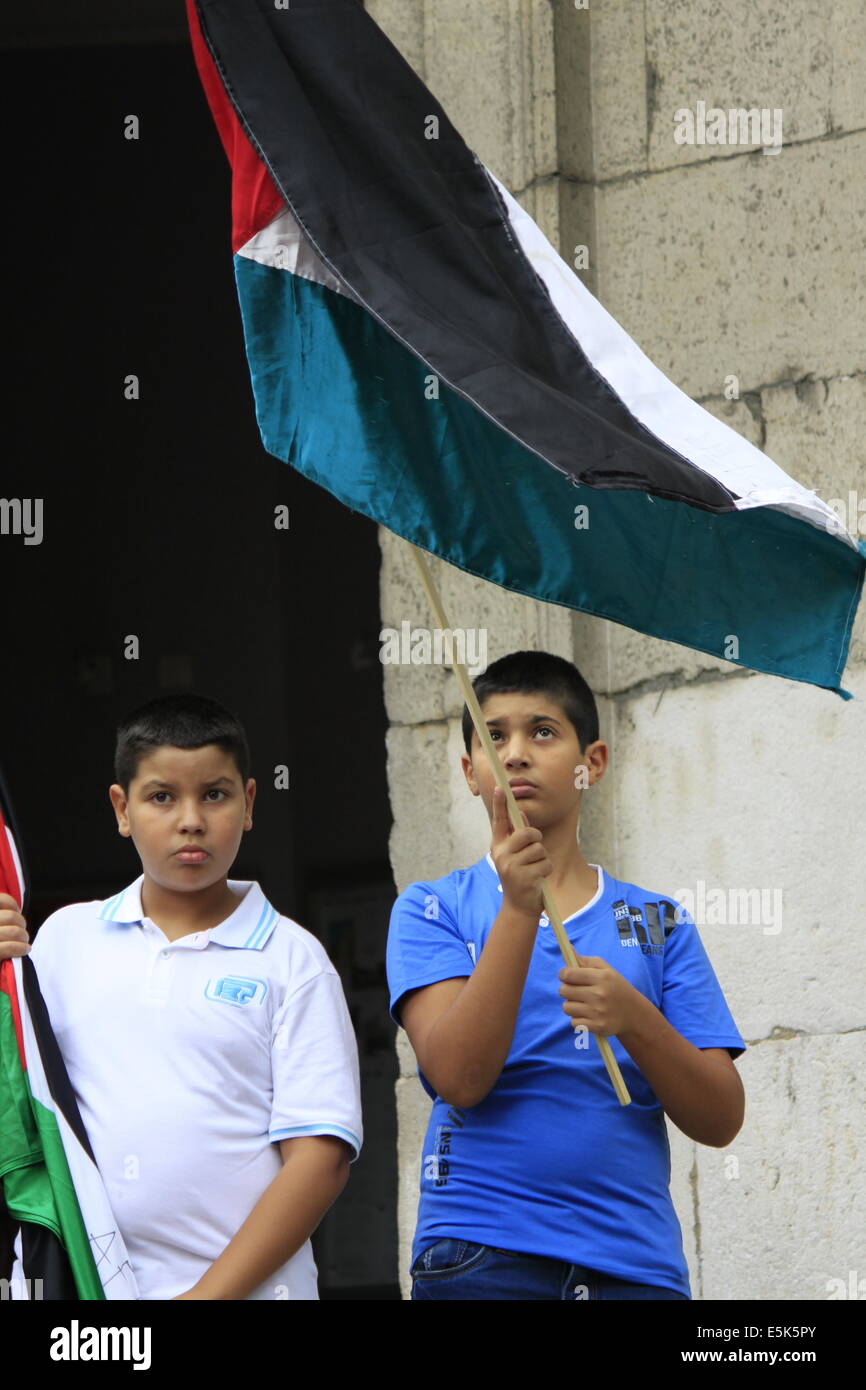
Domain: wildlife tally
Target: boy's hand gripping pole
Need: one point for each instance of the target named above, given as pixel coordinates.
(517, 817)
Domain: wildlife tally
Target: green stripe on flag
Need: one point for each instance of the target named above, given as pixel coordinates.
(441, 474)
(25, 1180)
(33, 1168)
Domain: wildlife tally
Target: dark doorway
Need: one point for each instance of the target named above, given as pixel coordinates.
(158, 523)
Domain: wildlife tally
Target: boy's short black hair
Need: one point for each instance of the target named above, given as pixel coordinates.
(524, 672)
(177, 721)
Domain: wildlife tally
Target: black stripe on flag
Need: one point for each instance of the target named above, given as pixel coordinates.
(418, 231)
(46, 1264)
(55, 1068)
(8, 815)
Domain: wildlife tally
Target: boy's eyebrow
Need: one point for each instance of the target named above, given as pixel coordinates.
(533, 719)
(158, 782)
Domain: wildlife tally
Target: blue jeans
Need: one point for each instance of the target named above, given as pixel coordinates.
(461, 1269)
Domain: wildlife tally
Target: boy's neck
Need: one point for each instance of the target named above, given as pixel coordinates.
(181, 914)
(573, 882)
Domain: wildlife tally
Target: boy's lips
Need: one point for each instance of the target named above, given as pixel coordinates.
(192, 855)
(521, 785)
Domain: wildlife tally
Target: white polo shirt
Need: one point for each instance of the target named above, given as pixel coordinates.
(190, 1058)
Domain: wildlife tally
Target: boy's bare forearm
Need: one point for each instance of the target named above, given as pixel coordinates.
(312, 1177)
(703, 1097)
(467, 1047)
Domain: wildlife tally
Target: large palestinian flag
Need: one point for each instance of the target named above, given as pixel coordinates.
(49, 1183)
(418, 347)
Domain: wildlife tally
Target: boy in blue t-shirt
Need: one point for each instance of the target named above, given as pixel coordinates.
(535, 1182)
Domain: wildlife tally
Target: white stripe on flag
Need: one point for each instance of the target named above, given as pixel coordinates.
(643, 388)
(283, 246)
(13, 850)
(106, 1242)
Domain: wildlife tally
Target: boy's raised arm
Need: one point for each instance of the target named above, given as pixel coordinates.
(461, 1030)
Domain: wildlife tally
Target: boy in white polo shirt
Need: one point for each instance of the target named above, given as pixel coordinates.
(206, 1036)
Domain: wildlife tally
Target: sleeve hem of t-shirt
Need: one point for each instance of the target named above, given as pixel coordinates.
(426, 980)
(296, 1131)
(737, 1048)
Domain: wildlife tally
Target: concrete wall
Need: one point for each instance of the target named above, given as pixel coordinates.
(739, 273)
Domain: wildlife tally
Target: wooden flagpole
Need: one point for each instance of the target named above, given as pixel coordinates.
(517, 817)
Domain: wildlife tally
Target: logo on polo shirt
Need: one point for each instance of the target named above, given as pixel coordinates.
(236, 989)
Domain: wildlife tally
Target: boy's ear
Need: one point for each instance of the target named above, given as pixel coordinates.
(250, 796)
(466, 764)
(595, 758)
(118, 801)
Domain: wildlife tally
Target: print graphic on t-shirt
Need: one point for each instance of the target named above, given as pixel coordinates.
(437, 1165)
(648, 948)
(653, 921)
(622, 917)
(637, 923)
(633, 932)
(670, 915)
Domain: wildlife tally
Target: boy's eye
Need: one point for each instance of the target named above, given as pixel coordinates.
(216, 792)
(542, 728)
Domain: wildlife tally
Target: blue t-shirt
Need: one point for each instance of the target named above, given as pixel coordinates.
(550, 1163)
